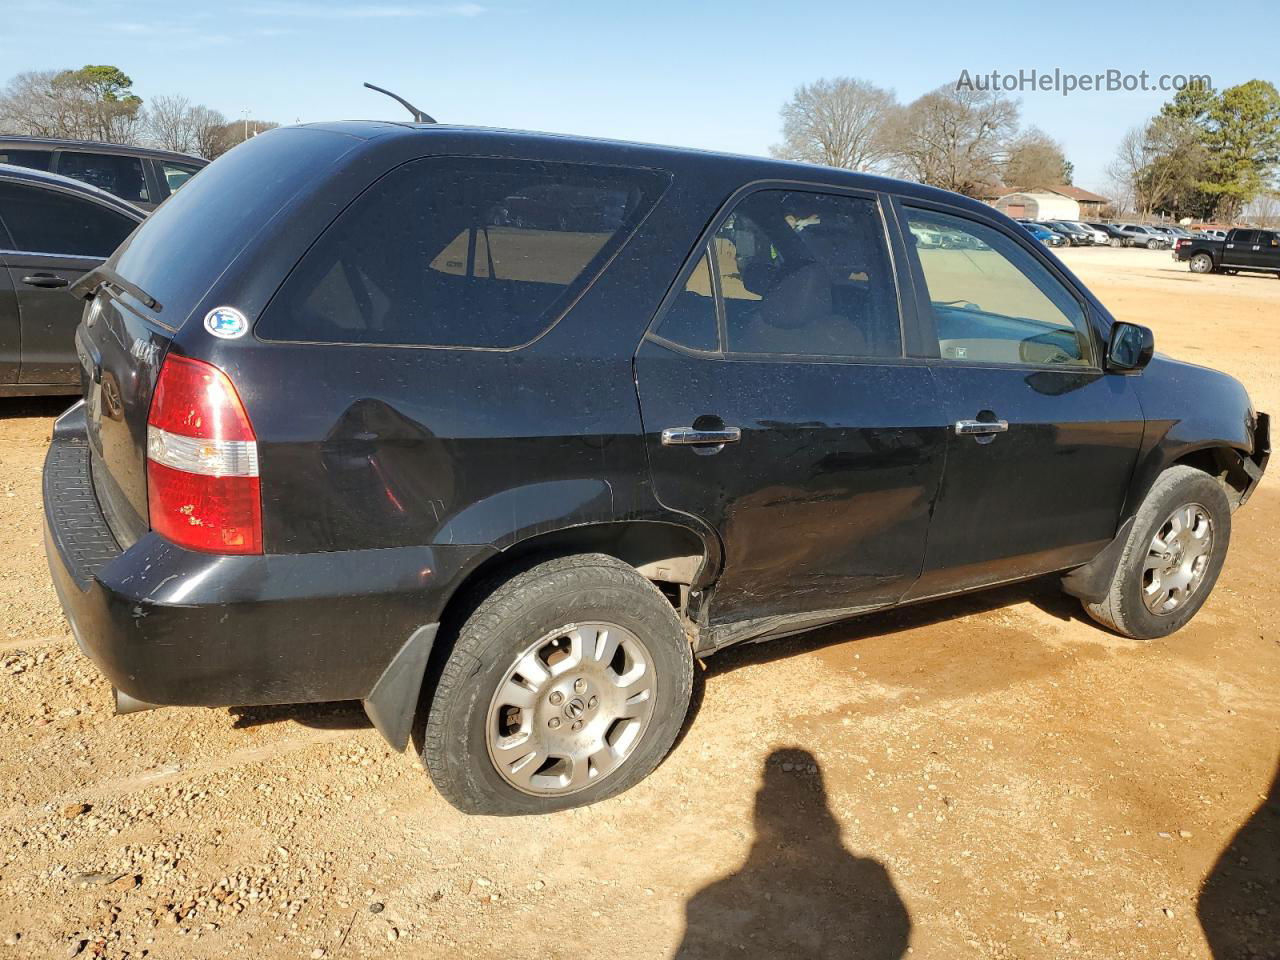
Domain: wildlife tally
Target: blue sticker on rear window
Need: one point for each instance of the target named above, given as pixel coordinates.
(226, 323)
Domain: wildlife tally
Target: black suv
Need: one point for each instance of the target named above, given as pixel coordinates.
(541, 419)
(141, 175)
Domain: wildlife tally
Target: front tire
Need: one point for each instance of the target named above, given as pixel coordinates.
(1171, 559)
(567, 685)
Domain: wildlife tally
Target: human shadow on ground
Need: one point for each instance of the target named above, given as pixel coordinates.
(1240, 900)
(800, 894)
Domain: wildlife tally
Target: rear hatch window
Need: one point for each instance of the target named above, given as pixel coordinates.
(193, 236)
(461, 252)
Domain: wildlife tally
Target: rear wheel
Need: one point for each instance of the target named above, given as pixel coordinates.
(1171, 559)
(567, 685)
(1202, 263)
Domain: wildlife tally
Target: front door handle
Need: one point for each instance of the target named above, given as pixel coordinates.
(46, 280)
(691, 436)
(978, 428)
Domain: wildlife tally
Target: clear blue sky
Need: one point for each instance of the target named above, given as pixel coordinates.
(707, 75)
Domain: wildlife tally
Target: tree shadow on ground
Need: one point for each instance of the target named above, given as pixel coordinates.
(1240, 901)
(800, 893)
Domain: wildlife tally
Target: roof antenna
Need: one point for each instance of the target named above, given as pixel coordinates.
(418, 115)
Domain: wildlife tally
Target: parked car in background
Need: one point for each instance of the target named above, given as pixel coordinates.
(308, 466)
(1100, 237)
(1080, 235)
(1115, 236)
(1140, 235)
(1211, 233)
(1174, 231)
(1253, 251)
(927, 237)
(142, 176)
(52, 230)
(1046, 236)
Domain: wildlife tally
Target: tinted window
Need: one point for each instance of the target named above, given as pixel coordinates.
(192, 237)
(110, 172)
(176, 174)
(460, 252)
(809, 274)
(36, 159)
(691, 319)
(993, 301)
(49, 221)
(1244, 236)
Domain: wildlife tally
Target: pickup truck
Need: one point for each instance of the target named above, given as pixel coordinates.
(1243, 249)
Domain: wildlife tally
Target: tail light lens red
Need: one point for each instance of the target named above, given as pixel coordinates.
(202, 461)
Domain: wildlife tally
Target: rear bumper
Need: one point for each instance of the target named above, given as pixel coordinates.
(171, 626)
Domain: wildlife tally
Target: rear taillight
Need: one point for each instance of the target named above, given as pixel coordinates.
(202, 461)
(1182, 242)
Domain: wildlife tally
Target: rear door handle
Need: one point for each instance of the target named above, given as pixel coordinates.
(46, 280)
(689, 436)
(978, 428)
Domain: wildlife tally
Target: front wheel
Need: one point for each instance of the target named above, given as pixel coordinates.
(1171, 559)
(1202, 263)
(568, 684)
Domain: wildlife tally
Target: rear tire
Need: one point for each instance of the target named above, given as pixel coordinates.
(1171, 559)
(567, 685)
(1201, 263)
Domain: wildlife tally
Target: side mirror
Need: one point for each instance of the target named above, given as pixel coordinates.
(1131, 347)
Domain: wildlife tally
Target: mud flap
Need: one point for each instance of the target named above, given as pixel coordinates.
(391, 704)
(1092, 581)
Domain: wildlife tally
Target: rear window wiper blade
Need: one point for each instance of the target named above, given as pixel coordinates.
(88, 285)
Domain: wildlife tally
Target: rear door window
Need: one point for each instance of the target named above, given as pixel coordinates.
(176, 174)
(807, 274)
(457, 252)
(691, 320)
(53, 222)
(114, 173)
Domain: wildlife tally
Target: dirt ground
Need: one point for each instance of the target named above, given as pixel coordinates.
(993, 776)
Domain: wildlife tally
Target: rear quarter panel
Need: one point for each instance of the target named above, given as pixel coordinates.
(372, 446)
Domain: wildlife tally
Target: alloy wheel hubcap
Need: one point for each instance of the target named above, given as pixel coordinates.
(1177, 559)
(571, 708)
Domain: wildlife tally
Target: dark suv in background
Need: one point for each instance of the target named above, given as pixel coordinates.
(500, 430)
(141, 175)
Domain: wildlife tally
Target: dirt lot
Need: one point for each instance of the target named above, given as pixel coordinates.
(987, 777)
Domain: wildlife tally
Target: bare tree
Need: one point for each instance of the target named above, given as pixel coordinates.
(210, 132)
(92, 103)
(238, 131)
(1035, 160)
(171, 124)
(955, 139)
(1264, 210)
(1158, 163)
(840, 123)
